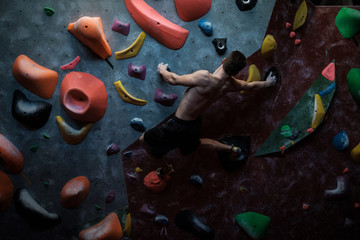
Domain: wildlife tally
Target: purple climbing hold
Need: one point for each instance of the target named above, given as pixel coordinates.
(164, 99)
(147, 210)
(342, 189)
(137, 71)
(123, 28)
(112, 149)
(110, 196)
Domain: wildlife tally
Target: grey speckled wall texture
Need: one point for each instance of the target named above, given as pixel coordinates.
(26, 29)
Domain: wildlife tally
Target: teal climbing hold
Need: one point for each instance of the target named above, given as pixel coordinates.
(253, 223)
(348, 22)
(49, 11)
(353, 80)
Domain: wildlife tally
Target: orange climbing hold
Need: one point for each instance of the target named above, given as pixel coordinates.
(89, 31)
(12, 158)
(190, 10)
(6, 191)
(329, 72)
(74, 192)
(35, 78)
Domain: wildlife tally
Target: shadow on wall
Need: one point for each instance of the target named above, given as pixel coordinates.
(335, 2)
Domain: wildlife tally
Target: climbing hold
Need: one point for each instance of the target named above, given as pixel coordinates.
(12, 158)
(206, 27)
(342, 189)
(220, 45)
(137, 71)
(147, 210)
(164, 99)
(138, 170)
(355, 153)
(125, 96)
(230, 162)
(196, 180)
(328, 90)
(49, 11)
(300, 16)
(282, 148)
(108, 228)
(35, 78)
(162, 221)
(353, 81)
(110, 196)
(33, 114)
(246, 5)
(46, 136)
(89, 31)
(112, 149)
(253, 75)
(32, 212)
(171, 35)
(128, 154)
(155, 182)
(74, 192)
(340, 141)
(97, 207)
(356, 205)
(71, 65)
(187, 221)
(297, 42)
(71, 135)
(292, 34)
(127, 227)
(310, 130)
(190, 10)
(346, 170)
(6, 191)
(268, 46)
(123, 28)
(253, 223)
(285, 131)
(305, 206)
(288, 25)
(243, 189)
(137, 124)
(318, 113)
(34, 148)
(83, 96)
(329, 71)
(133, 50)
(348, 22)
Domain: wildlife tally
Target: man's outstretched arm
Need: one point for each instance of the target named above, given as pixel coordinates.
(242, 85)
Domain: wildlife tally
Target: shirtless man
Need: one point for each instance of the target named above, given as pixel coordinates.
(183, 130)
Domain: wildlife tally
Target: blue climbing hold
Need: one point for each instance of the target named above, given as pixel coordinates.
(206, 27)
(328, 90)
(340, 141)
(137, 124)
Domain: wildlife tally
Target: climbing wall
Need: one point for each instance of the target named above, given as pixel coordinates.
(289, 188)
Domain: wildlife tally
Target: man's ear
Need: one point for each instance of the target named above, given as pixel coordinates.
(222, 62)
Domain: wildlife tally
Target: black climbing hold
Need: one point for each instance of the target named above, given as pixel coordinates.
(274, 71)
(186, 220)
(230, 162)
(128, 154)
(196, 180)
(220, 45)
(33, 114)
(246, 5)
(161, 220)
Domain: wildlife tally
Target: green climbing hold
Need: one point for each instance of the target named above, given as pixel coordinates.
(46, 136)
(97, 207)
(353, 80)
(49, 11)
(286, 131)
(253, 223)
(348, 22)
(34, 148)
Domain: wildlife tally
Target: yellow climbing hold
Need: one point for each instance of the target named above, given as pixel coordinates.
(268, 46)
(254, 75)
(138, 170)
(319, 112)
(133, 50)
(355, 153)
(126, 96)
(300, 16)
(127, 227)
(71, 135)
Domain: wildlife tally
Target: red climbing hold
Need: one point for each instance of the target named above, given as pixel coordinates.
(190, 10)
(297, 42)
(71, 65)
(329, 72)
(292, 34)
(288, 25)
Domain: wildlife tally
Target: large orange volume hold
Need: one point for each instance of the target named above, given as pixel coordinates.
(89, 31)
(171, 35)
(6, 191)
(108, 229)
(74, 192)
(190, 10)
(35, 78)
(13, 159)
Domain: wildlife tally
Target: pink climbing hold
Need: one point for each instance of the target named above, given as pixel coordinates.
(137, 71)
(292, 34)
(297, 42)
(71, 65)
(288, 25)
(190, 10)
(164, 99)
(329, 72)
(123, 28)
(310, 130)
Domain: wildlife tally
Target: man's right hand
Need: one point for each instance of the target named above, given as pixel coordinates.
(162, 67)
(271, 79)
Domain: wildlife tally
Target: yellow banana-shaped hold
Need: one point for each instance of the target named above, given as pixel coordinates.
(126, 96)
(319, 112)
(300, 16)
(254, 75)
(133, 50)
(71, 135)
(127, 227)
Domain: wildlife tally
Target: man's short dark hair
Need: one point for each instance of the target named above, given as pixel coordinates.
(234, 63)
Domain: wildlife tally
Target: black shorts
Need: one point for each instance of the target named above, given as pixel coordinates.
(174, 133)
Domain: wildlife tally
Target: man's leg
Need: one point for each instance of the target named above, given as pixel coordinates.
(214, 145)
